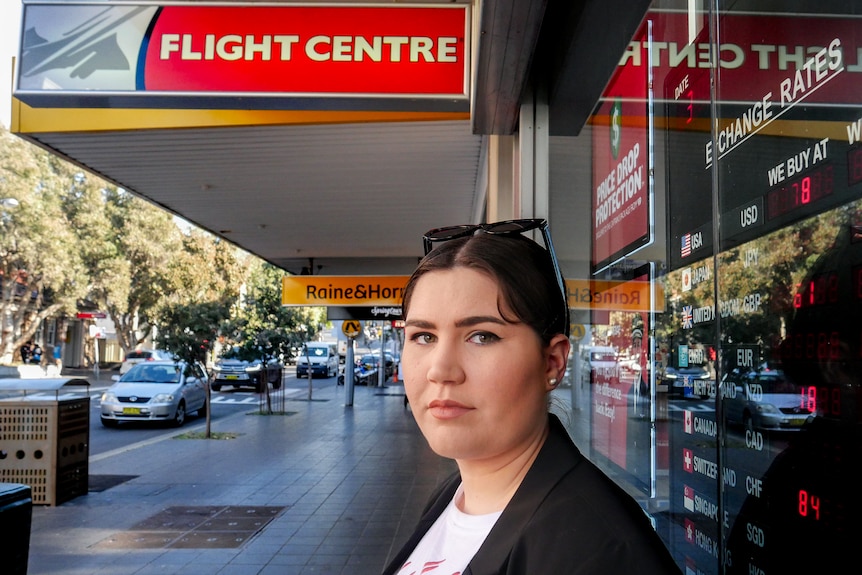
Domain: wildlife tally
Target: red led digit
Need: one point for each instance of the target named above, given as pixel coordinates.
(808, 398)
(808, 505)
(804, 190)
(690, 107)
(821, 400)
(821, 291)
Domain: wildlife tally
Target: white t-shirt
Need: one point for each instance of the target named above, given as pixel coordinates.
(451, 542)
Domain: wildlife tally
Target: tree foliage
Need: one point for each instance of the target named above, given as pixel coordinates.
(261, 326)
(789, 255)
(189, 330)
(41, 268)
(73, 239)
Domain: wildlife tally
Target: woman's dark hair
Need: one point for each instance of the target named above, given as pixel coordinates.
(522, 268)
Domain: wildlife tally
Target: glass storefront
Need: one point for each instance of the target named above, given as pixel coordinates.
(717, 324)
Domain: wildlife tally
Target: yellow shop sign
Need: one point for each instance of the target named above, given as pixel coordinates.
(342, 290)
(614, 295)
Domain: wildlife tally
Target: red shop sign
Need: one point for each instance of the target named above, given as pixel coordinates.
(307, 50)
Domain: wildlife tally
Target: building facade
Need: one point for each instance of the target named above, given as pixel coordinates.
(697, 162)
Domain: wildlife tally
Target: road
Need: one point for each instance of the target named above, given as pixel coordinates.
(105, 442)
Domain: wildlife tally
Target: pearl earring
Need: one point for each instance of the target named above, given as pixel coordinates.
(553, 382)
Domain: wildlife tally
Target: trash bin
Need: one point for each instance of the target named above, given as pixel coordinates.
(16, 511)
(45, 437)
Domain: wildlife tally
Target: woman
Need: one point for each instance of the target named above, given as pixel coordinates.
(485, 343)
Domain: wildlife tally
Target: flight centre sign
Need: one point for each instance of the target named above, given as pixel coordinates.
(248, 55)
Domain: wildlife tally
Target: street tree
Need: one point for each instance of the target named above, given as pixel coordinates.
(189, 331)
(144, 263)
(41, 271)
(262, 320)
(264, 328)
(133, 287)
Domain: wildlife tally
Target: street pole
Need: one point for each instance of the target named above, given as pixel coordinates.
(381, 371)
(310, 371)
(349, 373)
(96, 358)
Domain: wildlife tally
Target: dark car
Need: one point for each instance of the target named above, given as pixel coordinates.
(693, 381)
(363, 374)
(233, 371)
(372, 361)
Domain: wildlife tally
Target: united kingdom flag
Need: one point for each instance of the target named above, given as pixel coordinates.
(687, 319)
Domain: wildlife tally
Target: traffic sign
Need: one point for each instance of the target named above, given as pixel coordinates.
(351, 328)
(578, 331)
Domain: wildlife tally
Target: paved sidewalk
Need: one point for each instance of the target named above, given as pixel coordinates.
(341, 488)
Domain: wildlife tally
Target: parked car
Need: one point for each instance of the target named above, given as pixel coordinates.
(599, 363)
(631, 364)
(155, 390)
(363, 374)
(686, 381)
(255, 373)
(289, 357)
(322, 356)
(765, 399)
(372, 361)
(137, 356)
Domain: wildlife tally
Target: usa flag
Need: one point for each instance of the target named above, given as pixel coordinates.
(687, 319)
(686, 245)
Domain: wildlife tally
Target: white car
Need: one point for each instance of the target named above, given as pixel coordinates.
(764, 399)
(320, 356)
(156, 391)
(600, 364)
(137, 356)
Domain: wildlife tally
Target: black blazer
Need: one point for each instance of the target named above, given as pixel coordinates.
(567, 517)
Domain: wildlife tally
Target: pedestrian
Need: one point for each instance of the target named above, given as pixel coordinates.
(36, 356)
(58, 356)
(26, 352)
(486, 341)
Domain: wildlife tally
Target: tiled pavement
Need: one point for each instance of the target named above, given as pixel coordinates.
(351, 482)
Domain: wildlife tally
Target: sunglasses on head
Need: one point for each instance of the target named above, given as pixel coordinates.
(506, 228)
